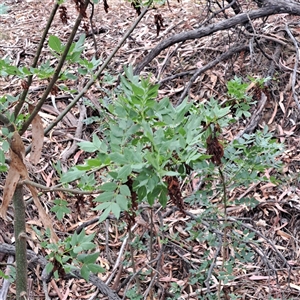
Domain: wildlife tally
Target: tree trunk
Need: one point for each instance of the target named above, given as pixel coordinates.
(20, 237)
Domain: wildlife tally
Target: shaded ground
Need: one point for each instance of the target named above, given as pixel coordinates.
(277, 215)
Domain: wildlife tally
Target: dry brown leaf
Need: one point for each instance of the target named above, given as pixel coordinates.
(42, 213)
(18, 164)
(284, 235)
(213, 80)
(9, 189)
(280, 208)
(17, 146)
(281, 102)
(273, 114)
(37, 137)
(17, 170)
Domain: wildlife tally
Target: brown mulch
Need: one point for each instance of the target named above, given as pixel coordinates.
(276, 217)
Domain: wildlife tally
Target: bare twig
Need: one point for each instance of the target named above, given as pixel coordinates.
(54, 189)
(206, 224)
(263, 237)
(45, 289)
(137, 281)
(166, 60)
(295, 94)
(93, 31)
(254, 118)
(213, 263)
(78, 134)
(120, 256)
(6, 282)
(181, 74)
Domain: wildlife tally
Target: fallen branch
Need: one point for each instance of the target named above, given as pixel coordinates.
(208, 66)
(271, 7)
(255, 118)
(294, 75)
(78, 134)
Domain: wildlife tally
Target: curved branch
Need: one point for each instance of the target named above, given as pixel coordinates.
(272, 7)
(56, 189)
(208, 66)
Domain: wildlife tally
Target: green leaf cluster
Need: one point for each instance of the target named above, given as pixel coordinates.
(60, 208)
(146, 140)
(3, 9)
(75, 251)
(74, 56)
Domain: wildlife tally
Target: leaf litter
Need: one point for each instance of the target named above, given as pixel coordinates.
(275, 217)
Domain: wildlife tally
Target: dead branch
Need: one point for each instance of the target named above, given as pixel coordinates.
(208, 66)
(271, 7)
(294, 75)
(78, 134)
(254, 118)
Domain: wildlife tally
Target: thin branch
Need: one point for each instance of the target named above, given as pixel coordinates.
(256, 116)
(104, 65)
(181, 74)
(295, 94)
(213, 263)
(265, 238)
(54, 189)
(6, 282)
(119, 259)
(78, 133)
(93, 30)
(57, 71)
(21, 101)
(206, 224)
(208, 66)
(5, 121)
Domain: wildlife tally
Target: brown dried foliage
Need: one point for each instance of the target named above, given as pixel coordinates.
(12, 179)
(215, 149)
(24, 85)
(37, 137)
(17, 170)
(174, 192)
(158, 21)
(63, 14)
(54, 90)
(131, 213)
(86, 26)
(80, 7)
